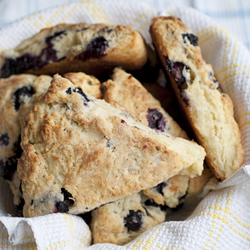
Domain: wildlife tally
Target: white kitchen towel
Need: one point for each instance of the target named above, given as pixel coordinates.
(222, 219)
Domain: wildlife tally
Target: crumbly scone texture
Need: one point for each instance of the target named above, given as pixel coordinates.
(16, 95)
(80, 153)
(123, 220)
(126, 92)
(90, 48)
(209, 112)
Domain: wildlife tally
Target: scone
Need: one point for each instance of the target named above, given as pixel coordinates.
(127, 93)
(121, 221)
(90, 48)
(80, 152)
(209, 112)
(18, 94)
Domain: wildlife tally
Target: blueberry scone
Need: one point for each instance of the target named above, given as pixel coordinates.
(90, 48)
(127, 93)
(121, 221)
(18, 94)
(209, 112)
(80, 152)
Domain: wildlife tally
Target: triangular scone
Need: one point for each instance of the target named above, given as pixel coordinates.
(80, 153)
(209, 112)
(91, 48)
(18, 94)
(126, 92)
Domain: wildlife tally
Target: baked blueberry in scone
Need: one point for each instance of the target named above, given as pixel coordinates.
(90, 48)
(209, 112)
(18, 94)
(121, 221)
(67, 137)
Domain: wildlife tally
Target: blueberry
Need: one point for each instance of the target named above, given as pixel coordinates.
(20, 94)
(48, 54)
(212, 78)
(20, 187)
(19, 65)
(150, 202)
(19, 208)
(63, 206)
(79, 91)
(8, 166)
(159, 188)
(4, 139)
(191, 37)
(69, 91)
(27, 61)
(133, 221)
(156, 119)
(175, 69)
(95, 49)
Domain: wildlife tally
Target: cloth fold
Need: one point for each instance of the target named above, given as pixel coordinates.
(222, 218)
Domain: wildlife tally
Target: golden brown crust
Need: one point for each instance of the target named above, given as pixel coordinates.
(75, 134)
(208, 111)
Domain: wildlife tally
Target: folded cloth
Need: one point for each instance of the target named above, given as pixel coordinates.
(222, 218)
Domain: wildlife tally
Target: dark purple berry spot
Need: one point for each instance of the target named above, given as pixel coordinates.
(95, 49)
(122, 121)
(212, 78)
(156, 119)
(103, 88)
(150, 202)
(8, 166)
(78, 90)
(20, 187)
(191, 37)
(20, 94)
(159, 188)
(144, 147)
(175, 69)
(133, 221)
(63, 206)
(4, 139)
(19, 208)
(69, 91)
(26, 61)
